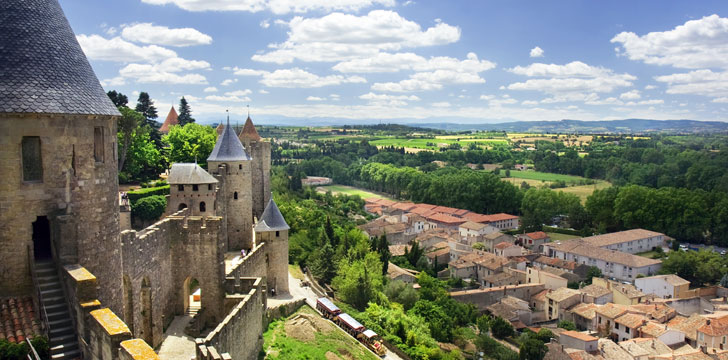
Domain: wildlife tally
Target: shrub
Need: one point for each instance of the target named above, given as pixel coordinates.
(501, 328)
(135, 195)
(566, 325)
(149, 208)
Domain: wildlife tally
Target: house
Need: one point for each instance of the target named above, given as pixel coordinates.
(645, 348)
(606, 315)
(490, 240)
(660, 313)
(521, 167)
(665, 286)
(428, 238)
(399, 208)
(550, 281)
(472, 232)
(464, 267)
(506, 249)
(395, 272)
(627, 326)
(689, 326)
(538, 301)
(559, 300)
(583, 315)
(438, 254)
(713, 335)
(488, 264)
(395, 232)
(533, 240)
(628, 241)
(568, 266)
(512, 309)
(662, 332)
(578, 340)
(503, 221)
(500, 279)
(444, 221)
(596, 294)
(623, 294)
(620, 265)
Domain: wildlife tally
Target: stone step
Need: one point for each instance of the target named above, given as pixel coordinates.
(50, 279)
(61, 314)
(54, 308)
(73, 354)
(53, 300)
(45, 271)
(58, 331)
(60, 323)
(62, 348)
(62, 339)
(51, 292)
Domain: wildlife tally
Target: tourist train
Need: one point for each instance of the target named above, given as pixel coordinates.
(350, 325)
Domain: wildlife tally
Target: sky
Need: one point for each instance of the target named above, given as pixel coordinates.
(303, 62)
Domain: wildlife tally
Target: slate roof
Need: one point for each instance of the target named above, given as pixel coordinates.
(272, 219)
(249, 131)
(42, 66)
(187, 173)
(228, 147)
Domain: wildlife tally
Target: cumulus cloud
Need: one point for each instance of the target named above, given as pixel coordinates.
(166, 72)
(148, 33)
(228, 82)
(630, 95)
(315, 98)
(210, 89)
(341, 37)
(441, 104)
(278, 7)
(650, 87)
(701, 43)
(299, 78)
(387, 99)
(387, 62)
(536, 52)
(247, 72)
(239, 92)
(227, 98)
(97, 47)
(698, 82)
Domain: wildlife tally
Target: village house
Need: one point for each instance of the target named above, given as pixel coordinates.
(387, 226)
(395, 272)
(444, 221)
(533, 240)
(606, 316)
(656, 330)
(399, 208)
(538, 301)
(596, 294)
(488, 264)
(713, 335)
(512, 309)
(472, 232)
(628, 241)
(668, 286)
(492, 239)
(550, 281)
(500, 279)
(626, 326)
(623, 294)
(415, 224)
(583, 315)
(559, 300)
(578, 340)
(689, 326)
(506, 249)
(545, 262)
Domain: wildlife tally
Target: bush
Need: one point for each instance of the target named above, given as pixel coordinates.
(566, 325)
(501, 328)
(12, 351)
(135, 195)
(149, 208)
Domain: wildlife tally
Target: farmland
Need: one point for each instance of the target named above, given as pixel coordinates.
(350, 190)
(437, 142)
(574, 184)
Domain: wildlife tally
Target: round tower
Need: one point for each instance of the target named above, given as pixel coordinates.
(231, 165)
(59, 190)
(260, 167)
(272, 230)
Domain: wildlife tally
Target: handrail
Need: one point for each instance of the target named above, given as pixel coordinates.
(36, 285)
(32, 354)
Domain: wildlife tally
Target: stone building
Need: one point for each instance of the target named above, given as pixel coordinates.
(190, 186)
(259, 150)
(272, 230)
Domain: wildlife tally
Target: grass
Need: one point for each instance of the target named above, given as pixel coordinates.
(296, 272)
(435, 144)
(278, 345)
(542, 176)
(560, 236)
(583, 191)
(350, 190)
(650, 254)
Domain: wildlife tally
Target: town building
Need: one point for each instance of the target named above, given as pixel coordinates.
(713, 335)
(506, 249)
(190, 186)
(492, 239)
(628, 241)
(668, 286)
(533, 240)
(560, 300)
(578, 340)
(550, 281)
(596, 294)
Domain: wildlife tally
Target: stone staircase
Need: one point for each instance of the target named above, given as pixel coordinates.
(192, 310)
(62, 335)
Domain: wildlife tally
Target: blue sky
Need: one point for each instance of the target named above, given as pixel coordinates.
(352, 61)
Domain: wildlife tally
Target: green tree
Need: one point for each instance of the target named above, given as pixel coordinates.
(323, 268)
(592, 272)
(190, 143)
(483, 323)
(128, 122)
(143, 159)
(359, 281)
(149, 208)
(532, 349)
(119, 99)
(566, 325)
(501, 328)
(185, 113)
(145, 105)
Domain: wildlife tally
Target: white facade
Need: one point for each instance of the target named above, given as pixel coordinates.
(611, 269)
(657, 285)
(638, 246)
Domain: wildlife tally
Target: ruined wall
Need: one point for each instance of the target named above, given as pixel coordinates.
(485, 297)
(277, 259)
(67, 156)
(260, 171)
(234, 177)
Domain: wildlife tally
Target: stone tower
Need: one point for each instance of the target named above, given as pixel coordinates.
(272, 230)
(259, 150)
(231, 165)
(59, 188)
(190, 186)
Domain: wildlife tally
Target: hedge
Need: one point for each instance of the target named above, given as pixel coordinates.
(135, 195)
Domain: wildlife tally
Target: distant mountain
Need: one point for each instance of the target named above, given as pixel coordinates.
(627, 126)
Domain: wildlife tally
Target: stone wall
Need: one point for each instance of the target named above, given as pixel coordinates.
(485, 297)
(276, 243)
(234, 177)
(253, 264)
(260, 171)
(74, 187)
(188, 198)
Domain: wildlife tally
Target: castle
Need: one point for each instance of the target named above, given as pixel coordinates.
(60, 238)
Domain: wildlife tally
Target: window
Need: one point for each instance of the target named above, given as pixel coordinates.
(31, 158)
(203, 207)
(209, 187)
(195, 188)
(240, 166)
(278, 233)
(181, 187)
(99, 144)
(616, 326)
(235, 195)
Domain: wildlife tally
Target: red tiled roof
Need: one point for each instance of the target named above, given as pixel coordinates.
(249, 131)
(169, 121)
(501, 217)
(537, 235)
(503, 245)
(445, 219)
(405, 206)
(475, 217)
(386, 203)
(445, 210)
(17, 319)
(716, 327)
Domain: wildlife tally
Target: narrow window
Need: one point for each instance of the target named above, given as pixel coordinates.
(99, 144)
(278, 233)
(240, 166)
(31, 157)
(195, 187)
(203, 208)
(181, 187)
(209, 187)
(73, 158)
(235, 195)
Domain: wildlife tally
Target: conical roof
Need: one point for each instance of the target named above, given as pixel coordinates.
(219, 129)
(249, 132)
(228, 147)
(172, 119)
(42, 66)
(272, 219)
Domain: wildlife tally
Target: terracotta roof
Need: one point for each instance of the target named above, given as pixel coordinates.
(503, 245)
(471, 225)
(587, 311)
(437, 253)
(394, 271)
(610, 350)
(654, 311)
(688, 325)
(495, 235)
(578, 335)
(558, 263)
(445, 219)
(249, 132)
(501, 217)
(537, 235)
(169, 121)
(426, 206)
(405, 206)
(461, 212)
(541, 295)
(561, 294)
(398, 250)
(475, 217)
(653, 329)
(595, 290)
(18, 320)
(386, 202)
(445, 210)
(631, 320)
(498, 277)
(581, 248)
(716, 327)
(611, 310)
(620, 237)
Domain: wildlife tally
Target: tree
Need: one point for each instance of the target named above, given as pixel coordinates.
(359, 281)
(724, 280)
(145, 105)
(143, 159)
(592, 272)
(128, 122)
(483, 323)
(323, 267)
(190, 143)
(149, 208)
(566, 325)
(532, 349)
(501, 328)
(185, 114)
(119, 99)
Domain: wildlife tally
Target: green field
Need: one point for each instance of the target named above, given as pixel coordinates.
(434, 144)
(583, 191)
(350, 190)
(537, 179)
(542, 176)
(560, 236)
(306, 335)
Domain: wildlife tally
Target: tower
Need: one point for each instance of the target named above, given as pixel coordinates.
(231, 165)
(260, 169)
(272, 230)
(190, 186)
(59, 190)
(169, 121)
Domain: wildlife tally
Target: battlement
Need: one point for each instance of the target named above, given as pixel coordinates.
(252, 265)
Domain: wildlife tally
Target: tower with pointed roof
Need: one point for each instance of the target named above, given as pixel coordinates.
(231, 166)
(59, 192)
(272, 230)
(172, 119)
(259, 150)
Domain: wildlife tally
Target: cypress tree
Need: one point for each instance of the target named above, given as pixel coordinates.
(185, 114)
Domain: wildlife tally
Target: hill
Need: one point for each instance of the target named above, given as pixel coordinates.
(627, 126)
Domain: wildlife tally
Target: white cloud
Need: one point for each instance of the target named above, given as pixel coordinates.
(386, 97)
(148, 33)
(335, 96)
(696, 44)
(115, 81)
(529, 102)
(298, 78)
(575, 79)
(487, 97)
(265, 24)
(441, 104)
(340, 37)
(166, 72)
(386, 62)
(117, 49)
(278, 7)
(228, 82)
(263, 91)
(697, 82)
(630, 95)
(239, 92)
(315, 98)
(227, 98)
(536, 52)
(210, 89)
(407, 85)
(650, 87)
(721, 100)
(248, 72)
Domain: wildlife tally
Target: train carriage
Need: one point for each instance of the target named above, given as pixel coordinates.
(327, 308)
(349, 324)
(373, 342)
